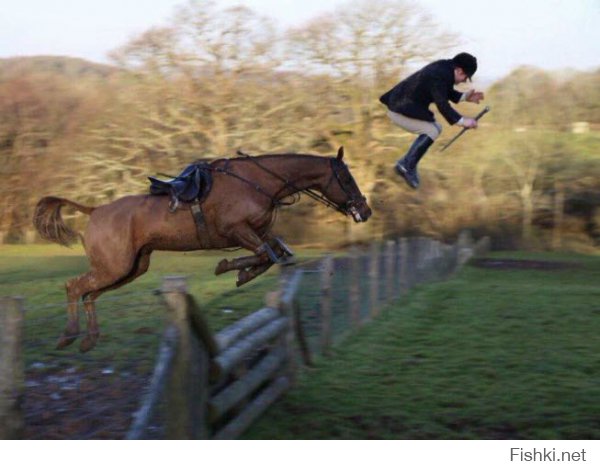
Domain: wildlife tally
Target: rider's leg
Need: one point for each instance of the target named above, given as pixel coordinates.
(427, 133)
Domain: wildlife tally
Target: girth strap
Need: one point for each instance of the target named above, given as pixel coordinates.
(201, 228)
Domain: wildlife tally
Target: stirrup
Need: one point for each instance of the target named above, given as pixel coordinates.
(174, 204)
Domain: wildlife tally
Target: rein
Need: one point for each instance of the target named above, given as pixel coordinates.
(257, 187)
(287, 184)
(309, 192)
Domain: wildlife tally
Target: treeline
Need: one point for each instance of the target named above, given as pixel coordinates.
(216, 80)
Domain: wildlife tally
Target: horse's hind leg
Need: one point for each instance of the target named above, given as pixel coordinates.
(140, 266)
(93, 331)
(71, 331)
(76, 288)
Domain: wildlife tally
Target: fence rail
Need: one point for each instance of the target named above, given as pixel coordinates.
(215, 385)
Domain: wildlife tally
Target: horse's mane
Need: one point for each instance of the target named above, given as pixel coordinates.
(243, 156)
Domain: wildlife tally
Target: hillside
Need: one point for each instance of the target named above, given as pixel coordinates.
(70, 67)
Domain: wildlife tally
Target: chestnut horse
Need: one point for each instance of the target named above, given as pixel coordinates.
(238, 212)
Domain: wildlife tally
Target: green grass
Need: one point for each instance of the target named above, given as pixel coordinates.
(39, 272)
(490, 354)
(132, 317)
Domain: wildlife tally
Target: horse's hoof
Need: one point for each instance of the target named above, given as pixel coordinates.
(86, 344)
(221, 267)
(243, 278)
(65, 340)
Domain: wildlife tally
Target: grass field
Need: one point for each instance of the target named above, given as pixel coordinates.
(39, 272)
(132, 317)
(490, 354)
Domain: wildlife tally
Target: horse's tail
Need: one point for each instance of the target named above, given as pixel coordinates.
(49, 222)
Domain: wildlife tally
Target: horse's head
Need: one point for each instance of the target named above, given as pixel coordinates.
(342, 190)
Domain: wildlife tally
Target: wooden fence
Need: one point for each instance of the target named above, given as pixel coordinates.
(209, 385)
(203, 378)
(11, 368)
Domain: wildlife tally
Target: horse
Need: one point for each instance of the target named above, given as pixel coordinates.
(237, 212)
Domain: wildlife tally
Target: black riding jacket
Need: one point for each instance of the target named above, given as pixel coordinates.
(434, 83)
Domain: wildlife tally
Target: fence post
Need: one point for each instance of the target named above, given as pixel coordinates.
(435, 259)
(428, 259)
(326, 281)
(397, 267)
(355, 259)
(482, 246)
(299, 334)
(403, 265)
(11, 368)
(187, 390)
(419, 257)
(390, 252)
(374, 280)
(285, 301)
(464, 247)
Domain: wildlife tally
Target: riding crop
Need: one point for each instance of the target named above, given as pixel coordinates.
(485, 110)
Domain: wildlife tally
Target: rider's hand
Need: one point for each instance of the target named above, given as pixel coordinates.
(468, 123)
(474, 96)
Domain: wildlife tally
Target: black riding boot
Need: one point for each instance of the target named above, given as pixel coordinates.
(407, 167)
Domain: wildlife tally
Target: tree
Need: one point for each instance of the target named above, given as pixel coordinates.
(41, 112)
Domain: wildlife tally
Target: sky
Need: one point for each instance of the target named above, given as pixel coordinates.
(502, 34)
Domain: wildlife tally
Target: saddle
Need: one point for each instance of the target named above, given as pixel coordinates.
(193, 184)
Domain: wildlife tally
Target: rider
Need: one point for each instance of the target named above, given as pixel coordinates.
(408, 106)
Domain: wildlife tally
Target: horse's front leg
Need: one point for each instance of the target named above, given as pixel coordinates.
(240, 263)
(274, 250)
(246, 275)
(277, 251)
(245, 236)
(266, 254)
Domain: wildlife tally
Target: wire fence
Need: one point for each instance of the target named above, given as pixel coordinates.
(359, 285)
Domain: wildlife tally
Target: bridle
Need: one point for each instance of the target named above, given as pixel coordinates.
(347, 208)
(351, 204)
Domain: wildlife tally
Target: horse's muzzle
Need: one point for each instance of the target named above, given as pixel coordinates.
(360, 211)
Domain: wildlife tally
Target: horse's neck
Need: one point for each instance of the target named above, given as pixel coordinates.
(300, 171)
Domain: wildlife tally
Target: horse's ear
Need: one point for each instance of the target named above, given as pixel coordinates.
(340, 154)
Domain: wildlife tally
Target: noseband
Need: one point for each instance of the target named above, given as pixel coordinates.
(351, 202)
